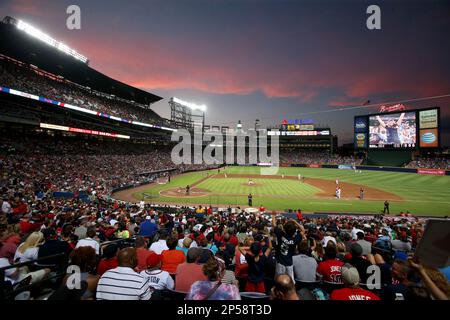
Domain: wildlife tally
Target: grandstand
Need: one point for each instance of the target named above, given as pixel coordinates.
(73, 140)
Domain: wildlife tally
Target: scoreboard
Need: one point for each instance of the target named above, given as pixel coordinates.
(409, 129)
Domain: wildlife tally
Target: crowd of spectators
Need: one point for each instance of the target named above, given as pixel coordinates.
(430, 163)
(144, 251)
(306, 156)
(41, 165)
(130, 252)
(31, 80)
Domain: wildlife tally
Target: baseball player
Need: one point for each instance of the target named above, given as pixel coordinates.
(338, 192)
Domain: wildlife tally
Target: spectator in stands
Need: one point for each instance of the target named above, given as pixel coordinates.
(109, 259)
(158, 279)
(435, 282)
(89, 241)
(189, 272)
(142, 253)
(257, 261)
(352, 291)
(52, 246)
(172, 257)
(284, 288)
(357, 261)
(403, 243)
(330, 268)
(29, 249)
(85, 259)
(15, 275)
(122, 231)
(213, 288)
(397, 289)
(186, 244)
(328, 237)
(123, 283)
(305, 266)
(148, 228)
(365, 245)
(355, 230)
(159, 246)
(286, 241)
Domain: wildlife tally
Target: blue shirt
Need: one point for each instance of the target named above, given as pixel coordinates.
(185, 250)
(148, 229)
(446, 272)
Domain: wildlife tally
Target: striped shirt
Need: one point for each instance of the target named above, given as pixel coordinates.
(123, 283)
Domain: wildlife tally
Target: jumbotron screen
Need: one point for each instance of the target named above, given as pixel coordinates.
(397, 130)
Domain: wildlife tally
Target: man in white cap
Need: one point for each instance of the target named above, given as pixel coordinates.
(352, 290)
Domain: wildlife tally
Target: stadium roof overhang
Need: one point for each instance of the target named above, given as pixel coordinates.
(20, 46)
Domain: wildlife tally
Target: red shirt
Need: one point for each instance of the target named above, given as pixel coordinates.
(234, 240)
(171, 259)
(142, 255)
(106, 264)
(353, 294)
(27, 227)
(299, 215)
(187, 274)
(22, 208)
(331, 270)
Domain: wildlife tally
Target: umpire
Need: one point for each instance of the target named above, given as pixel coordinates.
(386, 207)
(250, 200)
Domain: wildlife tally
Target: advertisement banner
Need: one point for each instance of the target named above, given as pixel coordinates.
(428, 119)
(345, 167)
(360, 140)
(436, 172)
(429, 138)
(361, 124)
(314, 165)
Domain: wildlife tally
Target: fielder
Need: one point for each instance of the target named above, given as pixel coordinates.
(338, 192)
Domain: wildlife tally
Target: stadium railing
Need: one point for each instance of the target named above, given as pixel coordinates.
(18, 287)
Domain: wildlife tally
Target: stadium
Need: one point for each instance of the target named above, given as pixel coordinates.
(87, 163)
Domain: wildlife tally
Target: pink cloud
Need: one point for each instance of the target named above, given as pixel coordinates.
(163, 63)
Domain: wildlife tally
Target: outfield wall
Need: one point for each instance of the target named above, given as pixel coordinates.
(439, 172)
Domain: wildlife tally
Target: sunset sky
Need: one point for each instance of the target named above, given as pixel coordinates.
(262, 59)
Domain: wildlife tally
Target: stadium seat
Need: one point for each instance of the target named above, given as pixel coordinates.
(330, 286)
(307, 285)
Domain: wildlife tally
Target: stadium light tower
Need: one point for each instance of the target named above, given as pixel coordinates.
(38, 34)
(182, 113)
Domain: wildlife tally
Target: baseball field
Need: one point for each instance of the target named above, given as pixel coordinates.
(312, 191)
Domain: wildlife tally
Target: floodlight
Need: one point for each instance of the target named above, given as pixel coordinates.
(190, 105)
(36, 33)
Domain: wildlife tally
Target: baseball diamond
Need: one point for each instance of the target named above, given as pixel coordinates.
(405, 191)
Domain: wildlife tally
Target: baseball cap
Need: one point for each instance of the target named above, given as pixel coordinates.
(148, 218)
(350, 274)
(153, 260)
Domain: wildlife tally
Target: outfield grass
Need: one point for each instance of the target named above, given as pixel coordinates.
(422, 194)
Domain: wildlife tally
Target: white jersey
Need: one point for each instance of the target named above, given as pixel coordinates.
(158, 279)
